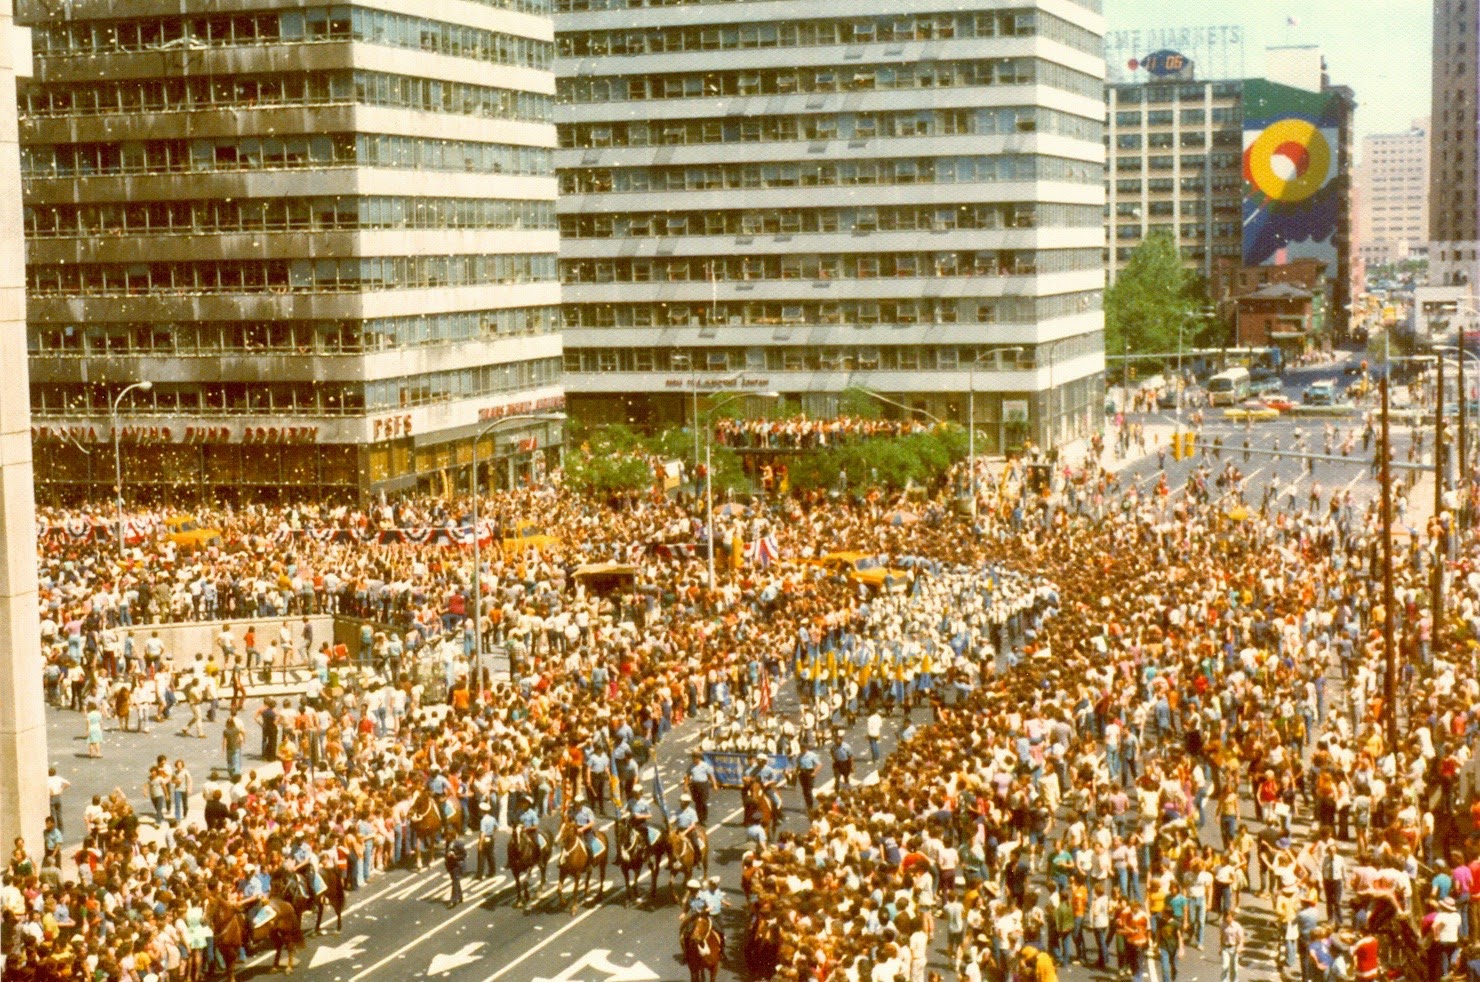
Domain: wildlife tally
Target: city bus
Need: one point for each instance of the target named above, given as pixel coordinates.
(1229, 388)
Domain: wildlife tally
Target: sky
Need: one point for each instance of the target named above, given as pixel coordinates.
(1381, 48)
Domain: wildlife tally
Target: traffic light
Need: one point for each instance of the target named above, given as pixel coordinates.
(1176, 446)
(1187, 441)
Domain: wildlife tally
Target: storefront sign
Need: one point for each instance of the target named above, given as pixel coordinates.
(177, 434)
(717, 384)
(522, 408)
(391, 426)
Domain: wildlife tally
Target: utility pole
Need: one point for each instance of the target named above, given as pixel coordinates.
(1462, 460)
(1390, 661)
(1441, 540)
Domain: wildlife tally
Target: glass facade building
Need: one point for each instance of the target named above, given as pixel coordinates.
(903, 196)
(327, 236)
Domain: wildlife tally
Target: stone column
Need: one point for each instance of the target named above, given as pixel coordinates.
(23, 760)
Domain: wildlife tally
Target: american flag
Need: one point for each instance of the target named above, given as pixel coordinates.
(764, 550)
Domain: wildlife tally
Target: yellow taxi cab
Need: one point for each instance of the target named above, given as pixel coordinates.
(528, 535)
(871, 571)
(189, 535)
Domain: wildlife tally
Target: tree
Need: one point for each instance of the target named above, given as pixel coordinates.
(1150, 298)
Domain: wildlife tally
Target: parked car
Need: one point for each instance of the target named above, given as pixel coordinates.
(1252, 409)
(858, 567)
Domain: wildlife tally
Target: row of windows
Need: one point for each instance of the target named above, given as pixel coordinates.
(846, 173)
(580, 6)
(845, 358)
(1190, 230)
(828, 266)
(1221, 206)
(908, 310)
(833, 78)
(1220, 161)
(1191, 254)
(1222, 116)
(279, 153)
(287, 275)
(221, 215)
(1165, 141)
(791, 221)
(843, 30)
(833, 126)
(337, 23)
(297, 398)
(290, 89)
(213, 338)
(1187, 92)
(1166, 185)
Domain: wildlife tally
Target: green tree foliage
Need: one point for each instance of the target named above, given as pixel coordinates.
(888, 462)
(1152, 295)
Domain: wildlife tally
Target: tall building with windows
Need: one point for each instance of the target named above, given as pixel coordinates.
(1454, 211)
(798, 196)
(325, 235)
(1175, 166)
(1394, 212)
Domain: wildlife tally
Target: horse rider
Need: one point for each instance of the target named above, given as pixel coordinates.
(305, 863)
(251, 895)
(437, 787)
(585, 823)
(769, 779)
(639, 811)
(528, 819)
(687, 822)
(700, 781)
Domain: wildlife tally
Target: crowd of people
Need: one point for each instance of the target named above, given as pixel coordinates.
(808, 433)
(1205, 724)
(1143, 714)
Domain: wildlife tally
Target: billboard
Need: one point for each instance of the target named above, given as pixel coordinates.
(1292, 149)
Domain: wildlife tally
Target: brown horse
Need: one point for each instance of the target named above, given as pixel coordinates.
(758, 807)
(683, 856)
(703, 948)
(633, 853)
(428, 819)
(229, 925)
(333, 895)
(528, 850)
(576, 865)
(762, 944)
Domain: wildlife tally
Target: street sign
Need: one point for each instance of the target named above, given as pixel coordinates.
(466, 955)
(596, 965)
(335, 953)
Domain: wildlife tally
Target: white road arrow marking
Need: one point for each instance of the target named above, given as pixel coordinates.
(334, 953)
(442, 964)
(599, 960)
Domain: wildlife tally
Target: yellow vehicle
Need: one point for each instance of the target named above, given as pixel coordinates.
(868, 570)
(528, 535)
(189, 535)
(1255, 413)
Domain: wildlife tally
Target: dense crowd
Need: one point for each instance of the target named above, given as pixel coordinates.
(1202, 725)
(1145, 713)
(807, 433)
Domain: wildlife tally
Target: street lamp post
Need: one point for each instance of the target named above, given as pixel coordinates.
(143, 386)
(709, 470)
(477, 552)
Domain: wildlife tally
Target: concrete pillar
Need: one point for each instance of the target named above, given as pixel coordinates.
(23, 760)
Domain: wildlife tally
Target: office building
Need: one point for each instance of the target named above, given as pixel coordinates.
(325, 235)
(792, 196)
(1394, 208)
(1454, 213)
(1175, 167)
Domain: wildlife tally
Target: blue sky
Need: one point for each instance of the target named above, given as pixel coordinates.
(1381, 48)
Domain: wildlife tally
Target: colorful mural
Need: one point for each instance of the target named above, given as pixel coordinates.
(1291, 167)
